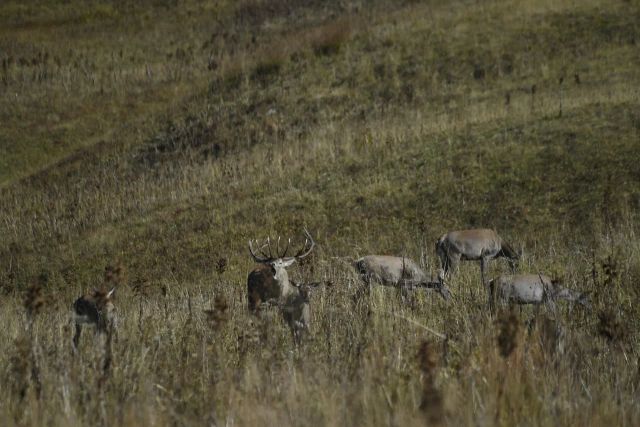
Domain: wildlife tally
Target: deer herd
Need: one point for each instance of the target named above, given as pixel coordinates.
(269, 285)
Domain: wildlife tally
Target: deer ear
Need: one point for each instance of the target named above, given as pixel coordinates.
(288, 262)
(110, 293)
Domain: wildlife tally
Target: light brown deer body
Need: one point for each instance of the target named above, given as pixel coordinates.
(534, 289)
(396, 271)
(94, 309)
(472, 245)
(269, 283)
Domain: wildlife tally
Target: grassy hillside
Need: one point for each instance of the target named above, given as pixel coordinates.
(160, 138)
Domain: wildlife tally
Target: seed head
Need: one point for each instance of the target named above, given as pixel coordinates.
(611, 327)
(219, 314)
(427, 358)
(141, 287)
(507, 337)
(432, 400)
(34, 300)
(19, 367)
(221, 265)
(114, 274)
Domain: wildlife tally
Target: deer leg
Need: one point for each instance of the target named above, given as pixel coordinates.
(405, 289)
(492, 297)
(453, 263)
(113, 329)
(402, 291)
(444, 265)
(512, 266)
(483, 266)
(448, 265)
(76, 336)
(298, 331)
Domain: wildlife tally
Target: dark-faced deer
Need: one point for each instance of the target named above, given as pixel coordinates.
(95, 309)
(269, 283)
(473, 245)
(396, 271)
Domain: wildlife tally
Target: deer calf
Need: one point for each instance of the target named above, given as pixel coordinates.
(95, 309)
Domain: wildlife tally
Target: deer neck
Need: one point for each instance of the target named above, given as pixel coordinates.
(567, 294)
(286, 288)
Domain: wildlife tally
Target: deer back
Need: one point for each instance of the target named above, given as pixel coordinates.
(474, 244)
(522, 288)
(389, 270)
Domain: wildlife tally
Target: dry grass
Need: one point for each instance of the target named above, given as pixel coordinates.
(423, 120)
(195, 354)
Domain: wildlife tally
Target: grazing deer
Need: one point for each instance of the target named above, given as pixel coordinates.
(532, 289)
(473, 245)
(95, 309)
(269, 282)
(396, 271)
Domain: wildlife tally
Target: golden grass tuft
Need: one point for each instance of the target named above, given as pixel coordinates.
(34, 300)
(611, 327)
(508, 327)
(115, 275)
(431, 403)
(221, 265)
(219, 314)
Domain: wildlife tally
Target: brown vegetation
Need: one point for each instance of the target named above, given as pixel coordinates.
(155, 139)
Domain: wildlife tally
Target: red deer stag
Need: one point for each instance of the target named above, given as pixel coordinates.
(269, 282)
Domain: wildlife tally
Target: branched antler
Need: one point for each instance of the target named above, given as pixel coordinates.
(262, 257)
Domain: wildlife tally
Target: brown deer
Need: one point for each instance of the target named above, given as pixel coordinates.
(95, 309)
(534, 289)
(396, 271)
(269, 283)
(473, 245)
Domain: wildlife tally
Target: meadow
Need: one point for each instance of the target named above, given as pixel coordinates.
(143, 145)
